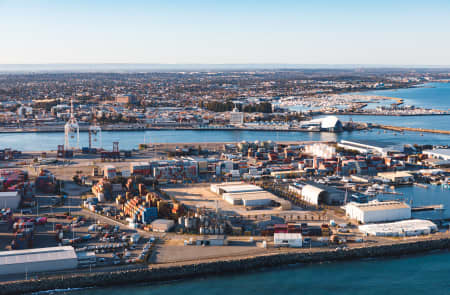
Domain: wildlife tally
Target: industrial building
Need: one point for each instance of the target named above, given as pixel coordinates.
(442, 154)
(236, 117)
(403, 228)
(9, 200)
(377, 211)
(126, 99)
(367, 147)
(293, 240)
(397, 177)
(37, 260)
(249, 196)
(162, 225)
(321, 150)
(317, 194)
(329, 123)
(213, 240)
(233, 187)
(238, 198)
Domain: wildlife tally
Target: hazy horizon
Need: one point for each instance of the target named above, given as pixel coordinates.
(143, 67)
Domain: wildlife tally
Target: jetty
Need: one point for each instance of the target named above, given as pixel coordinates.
(428, 208)
(420, 185)
(402, 129)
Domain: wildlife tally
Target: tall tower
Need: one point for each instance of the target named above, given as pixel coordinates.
(71, 131)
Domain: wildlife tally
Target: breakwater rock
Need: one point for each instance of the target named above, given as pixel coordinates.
(159, 273)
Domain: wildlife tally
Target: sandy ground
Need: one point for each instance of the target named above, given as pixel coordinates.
(177, 253)
(200, 196)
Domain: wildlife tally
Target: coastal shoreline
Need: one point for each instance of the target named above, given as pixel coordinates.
(123, 129)
(165, 273)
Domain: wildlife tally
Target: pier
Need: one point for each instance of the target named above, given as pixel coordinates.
(402, 129)
(421, 185)
(427, 208)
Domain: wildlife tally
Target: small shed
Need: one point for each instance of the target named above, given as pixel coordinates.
(293, 240)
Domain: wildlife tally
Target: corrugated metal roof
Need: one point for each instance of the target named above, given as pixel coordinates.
(37, 255)
(373, 206)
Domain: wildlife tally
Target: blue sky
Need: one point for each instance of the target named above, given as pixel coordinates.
(217, 32)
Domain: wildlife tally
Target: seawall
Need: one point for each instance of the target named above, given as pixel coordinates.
(159, 273)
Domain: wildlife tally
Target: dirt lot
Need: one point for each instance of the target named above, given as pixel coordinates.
(200, 196)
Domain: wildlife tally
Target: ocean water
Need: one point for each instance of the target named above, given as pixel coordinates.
(440, 122)
(131, 139)
(418, 196)
(411, 275)
(430, 95)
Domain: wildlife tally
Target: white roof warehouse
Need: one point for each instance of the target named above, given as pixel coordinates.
(376, 211)
(37, 260)
(443, 154)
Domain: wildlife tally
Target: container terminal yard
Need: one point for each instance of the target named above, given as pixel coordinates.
(91, 210)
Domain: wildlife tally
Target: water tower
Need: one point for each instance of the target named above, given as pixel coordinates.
(71, 131)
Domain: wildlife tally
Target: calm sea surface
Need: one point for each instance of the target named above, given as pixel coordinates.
(431, 95)
(131, 139)
(414, 275)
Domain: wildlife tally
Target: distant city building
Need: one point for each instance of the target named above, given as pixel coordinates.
(236, 117)
(126, 99)
(329, 123)
(24, 110)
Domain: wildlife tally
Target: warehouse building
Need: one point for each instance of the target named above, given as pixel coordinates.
(329, 123)
(256, 199)
(317, 194)
(37, 260)
(442, 154)
(293, 240)
(233, 187)
(377, 211)
(367, 147)
(312, 194)
(162, 225)
(213, 240)
(397, 177)
(9, 200)
(402, 228)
